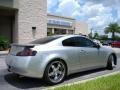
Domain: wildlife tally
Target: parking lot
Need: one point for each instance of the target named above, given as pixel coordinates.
(9, 81)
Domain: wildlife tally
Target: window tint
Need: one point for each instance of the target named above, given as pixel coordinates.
(84, 42)
(69, 42)
(78, 42)
(45, 40)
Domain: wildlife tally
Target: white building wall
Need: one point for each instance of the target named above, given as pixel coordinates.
(81, 28)
(31, 13)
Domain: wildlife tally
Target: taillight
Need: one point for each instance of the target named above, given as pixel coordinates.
(26, 52)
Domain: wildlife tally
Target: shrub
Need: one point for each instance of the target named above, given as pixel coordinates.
(49, 34)
(4, 43)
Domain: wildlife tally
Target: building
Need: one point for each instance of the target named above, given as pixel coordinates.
(60, 25)
(65, 25)
(81, 28)
(22, 21)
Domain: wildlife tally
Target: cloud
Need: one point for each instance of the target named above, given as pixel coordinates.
(68, 7)
(105, 2)
(97, 15)
(95, 9)
(100, 21)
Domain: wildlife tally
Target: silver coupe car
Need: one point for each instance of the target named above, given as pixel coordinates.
(54, 57)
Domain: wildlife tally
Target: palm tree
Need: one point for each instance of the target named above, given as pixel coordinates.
(112, 28)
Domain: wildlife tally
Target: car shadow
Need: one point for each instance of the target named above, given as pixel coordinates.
(24, 82)
(27, 83)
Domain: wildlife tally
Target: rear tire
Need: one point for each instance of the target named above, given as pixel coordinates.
(110, 63)
(55, 72)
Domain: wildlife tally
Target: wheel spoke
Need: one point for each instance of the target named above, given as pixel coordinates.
(56, 77)
(58, 67)
(60, 72)
(51, 73)
(53, 67)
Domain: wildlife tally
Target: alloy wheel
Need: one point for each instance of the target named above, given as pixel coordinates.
(56, 71)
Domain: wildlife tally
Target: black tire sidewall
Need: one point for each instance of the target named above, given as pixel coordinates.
(109, 63)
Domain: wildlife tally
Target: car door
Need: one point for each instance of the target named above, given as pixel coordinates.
(71, 50)
(89, 53)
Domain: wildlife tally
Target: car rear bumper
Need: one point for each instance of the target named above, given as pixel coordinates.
(23, 66)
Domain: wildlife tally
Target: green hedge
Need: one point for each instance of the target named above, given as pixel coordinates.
(4, 43)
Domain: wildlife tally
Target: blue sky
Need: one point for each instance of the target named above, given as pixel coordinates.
(97, 13)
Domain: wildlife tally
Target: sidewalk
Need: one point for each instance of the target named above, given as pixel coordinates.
(3, 53)
(2, 59)
(117, 50)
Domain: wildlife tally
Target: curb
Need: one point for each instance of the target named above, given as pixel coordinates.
(83, 81)
(3, 53)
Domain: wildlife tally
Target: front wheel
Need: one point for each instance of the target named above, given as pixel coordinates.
(110, 63)
(55, 72)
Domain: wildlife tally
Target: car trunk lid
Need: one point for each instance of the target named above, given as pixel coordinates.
(19, 48)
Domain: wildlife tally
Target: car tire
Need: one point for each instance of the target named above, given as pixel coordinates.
(55, 72)
(110, 63)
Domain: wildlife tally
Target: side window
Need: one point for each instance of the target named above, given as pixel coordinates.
(84, 42)
(74, 42)
(78, 42)
(69, 42)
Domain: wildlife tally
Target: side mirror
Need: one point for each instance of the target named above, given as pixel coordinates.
(97, 46)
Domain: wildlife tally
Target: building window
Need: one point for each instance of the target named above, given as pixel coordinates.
(49, 32)
(60, 31)
(70, 32)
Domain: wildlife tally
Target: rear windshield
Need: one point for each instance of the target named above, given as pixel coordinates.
(45, 40)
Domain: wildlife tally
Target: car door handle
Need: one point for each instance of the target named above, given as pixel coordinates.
(82, 51)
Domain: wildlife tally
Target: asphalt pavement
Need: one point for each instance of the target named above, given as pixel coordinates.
(10, 81)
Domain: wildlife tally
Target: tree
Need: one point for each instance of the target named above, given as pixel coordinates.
(103, 37)
(96, 36)
(117, 37)
(112, 28)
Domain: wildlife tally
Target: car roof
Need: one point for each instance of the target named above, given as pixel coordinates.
(68, 35)
(53, 39)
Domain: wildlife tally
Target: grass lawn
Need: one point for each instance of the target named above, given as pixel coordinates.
(105, 83)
